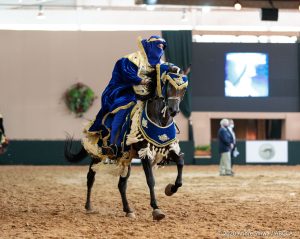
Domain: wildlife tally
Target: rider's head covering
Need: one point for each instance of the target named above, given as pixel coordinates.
(165, 73)
(153, 52)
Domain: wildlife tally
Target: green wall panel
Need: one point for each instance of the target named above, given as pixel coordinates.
(38, 152)
(294, 152)
(187, 147)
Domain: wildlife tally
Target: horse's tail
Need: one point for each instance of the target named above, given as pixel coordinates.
(73, 157)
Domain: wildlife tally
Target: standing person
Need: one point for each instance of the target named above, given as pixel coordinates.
(234, 151)
(129, 79)
(3, 139)
(225, 146)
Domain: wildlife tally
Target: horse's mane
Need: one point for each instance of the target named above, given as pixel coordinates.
(153, 83)
(151, 87)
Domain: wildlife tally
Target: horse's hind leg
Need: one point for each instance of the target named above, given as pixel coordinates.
(90, 182)
(157, 213)
(122, 188)
(171, 188)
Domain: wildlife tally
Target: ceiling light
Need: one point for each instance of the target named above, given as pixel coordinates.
(150, 2)
(40, 14)
(206, 9)
(184, 16)
(150, 7)
(237, 6)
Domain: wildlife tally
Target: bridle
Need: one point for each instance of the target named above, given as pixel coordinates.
(166, 99)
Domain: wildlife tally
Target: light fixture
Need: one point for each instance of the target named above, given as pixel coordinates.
(40, 14)
(184, 16)
(150, 7)
(150, 2)
(237, 5)
(206, 9)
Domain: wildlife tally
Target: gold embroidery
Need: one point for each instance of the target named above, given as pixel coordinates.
(145, 123)
(163, 137)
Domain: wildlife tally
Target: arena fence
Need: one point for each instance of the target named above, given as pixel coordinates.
(38, 152)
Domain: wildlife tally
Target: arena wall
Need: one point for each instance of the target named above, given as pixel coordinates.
(39, 66)
(202, 125)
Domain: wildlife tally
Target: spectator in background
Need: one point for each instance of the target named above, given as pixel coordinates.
(234, 151)
(3, 139)
(225, 146)
(1, 125)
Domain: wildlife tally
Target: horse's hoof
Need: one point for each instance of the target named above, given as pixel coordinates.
(130, 214)
(168, 188)
(91, 211)
(158, 215)
(87, 208)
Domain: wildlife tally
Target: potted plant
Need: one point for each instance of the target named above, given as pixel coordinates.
(203, 150)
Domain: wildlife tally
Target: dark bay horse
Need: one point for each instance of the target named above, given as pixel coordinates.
(152, 138)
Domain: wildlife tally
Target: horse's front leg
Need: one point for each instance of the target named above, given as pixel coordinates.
(172, 188)
(157, 213)
(90, 182)
(122, 188)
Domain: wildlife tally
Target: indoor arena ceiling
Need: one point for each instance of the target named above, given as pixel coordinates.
(205, 16)
(280, 4)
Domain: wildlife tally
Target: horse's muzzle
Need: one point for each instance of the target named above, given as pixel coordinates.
(173, 113)
(173, 104)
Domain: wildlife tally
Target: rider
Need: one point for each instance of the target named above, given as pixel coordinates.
(129, 78)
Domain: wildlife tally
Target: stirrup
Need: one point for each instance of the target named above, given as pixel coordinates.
(110, 151)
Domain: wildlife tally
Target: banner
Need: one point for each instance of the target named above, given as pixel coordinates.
(266, 151)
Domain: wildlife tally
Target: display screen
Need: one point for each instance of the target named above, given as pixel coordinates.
(245, 77)
(246, 74)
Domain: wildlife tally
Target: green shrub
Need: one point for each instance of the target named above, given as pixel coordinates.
(79, 98)
(203, 147)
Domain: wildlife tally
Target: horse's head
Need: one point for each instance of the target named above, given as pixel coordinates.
(172, 86)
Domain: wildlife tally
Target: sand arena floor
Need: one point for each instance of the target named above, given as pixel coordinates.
(48, 202)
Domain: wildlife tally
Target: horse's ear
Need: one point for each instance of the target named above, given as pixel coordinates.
(187, 70)
(152, 75)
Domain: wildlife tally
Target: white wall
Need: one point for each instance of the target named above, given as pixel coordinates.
(37, 67)
(202, 123)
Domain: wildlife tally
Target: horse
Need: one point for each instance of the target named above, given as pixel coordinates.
(153, 116)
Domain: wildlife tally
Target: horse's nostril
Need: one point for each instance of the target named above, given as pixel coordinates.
(173, 113)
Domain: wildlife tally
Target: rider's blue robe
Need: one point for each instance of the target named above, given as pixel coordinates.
(118, 95)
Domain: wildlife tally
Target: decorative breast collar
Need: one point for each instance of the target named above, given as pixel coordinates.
(155, 134)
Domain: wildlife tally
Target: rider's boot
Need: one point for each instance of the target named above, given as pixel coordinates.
(112, 151)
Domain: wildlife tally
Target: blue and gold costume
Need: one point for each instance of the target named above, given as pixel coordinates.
(119, 97)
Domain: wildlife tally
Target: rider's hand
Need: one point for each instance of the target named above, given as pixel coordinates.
(145, 81)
